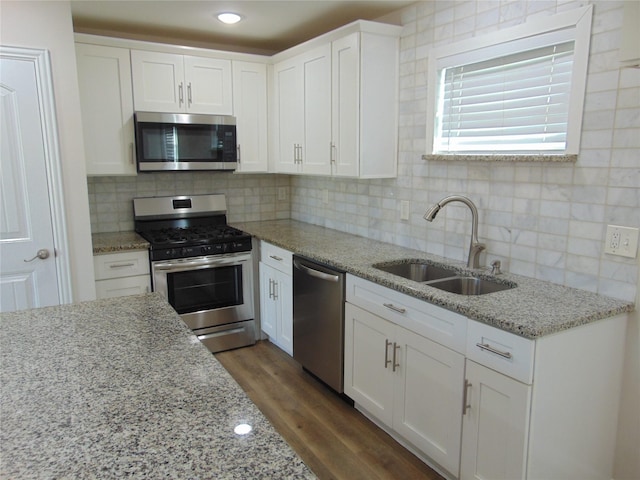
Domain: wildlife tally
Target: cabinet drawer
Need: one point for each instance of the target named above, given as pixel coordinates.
(276, 257)
(120, 287)
(501, 351)
(440, 325)
(122, 264)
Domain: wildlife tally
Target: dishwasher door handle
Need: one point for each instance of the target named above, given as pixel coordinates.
(316, 273)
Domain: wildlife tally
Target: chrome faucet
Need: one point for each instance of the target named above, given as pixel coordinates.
(475, 247)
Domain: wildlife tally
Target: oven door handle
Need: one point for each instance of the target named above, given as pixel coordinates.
(195, 264)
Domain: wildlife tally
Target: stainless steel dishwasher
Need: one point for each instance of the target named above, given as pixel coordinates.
(318, 320)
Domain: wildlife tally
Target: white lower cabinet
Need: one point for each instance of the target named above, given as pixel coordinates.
(123, 273)
(276, 296)
(478, 402)
(495, 425)
(408, 382)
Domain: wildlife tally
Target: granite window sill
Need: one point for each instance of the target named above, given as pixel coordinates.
(572, 158)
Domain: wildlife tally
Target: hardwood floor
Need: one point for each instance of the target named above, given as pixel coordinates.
(332, 438)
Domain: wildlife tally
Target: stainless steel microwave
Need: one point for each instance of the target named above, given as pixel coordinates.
(176, 141)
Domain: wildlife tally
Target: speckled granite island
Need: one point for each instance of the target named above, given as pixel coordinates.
(122, 388)
(533, 309)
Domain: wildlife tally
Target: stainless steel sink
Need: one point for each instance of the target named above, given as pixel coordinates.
(470, 285)
(416, 271)
(443, 278)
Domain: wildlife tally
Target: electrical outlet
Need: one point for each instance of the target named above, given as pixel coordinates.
(404, 210)
(325, 196)
(622, 241)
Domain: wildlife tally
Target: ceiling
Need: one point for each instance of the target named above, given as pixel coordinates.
(267, 27)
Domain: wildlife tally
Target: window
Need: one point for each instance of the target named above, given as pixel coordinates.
(519, 91)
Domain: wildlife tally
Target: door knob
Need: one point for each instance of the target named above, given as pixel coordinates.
(42, 254)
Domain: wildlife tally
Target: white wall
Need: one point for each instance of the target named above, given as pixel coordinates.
(47, 25)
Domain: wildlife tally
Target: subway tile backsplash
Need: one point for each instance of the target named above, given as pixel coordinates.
(249, 196)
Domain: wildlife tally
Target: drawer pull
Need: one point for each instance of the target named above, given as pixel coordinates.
(391, 306)
(465, 405)
(395, 350)
(486, 346)
(276, 258)
(386, 353)
(121, 265)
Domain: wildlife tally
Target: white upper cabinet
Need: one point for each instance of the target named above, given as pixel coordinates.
(166, 82)
(106, 99)
(335, 104)
(364, 106)
(250, 110)
(302, 113)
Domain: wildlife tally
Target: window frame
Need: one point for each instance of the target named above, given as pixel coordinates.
(578, 20)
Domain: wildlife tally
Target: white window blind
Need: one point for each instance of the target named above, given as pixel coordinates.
(517, 103)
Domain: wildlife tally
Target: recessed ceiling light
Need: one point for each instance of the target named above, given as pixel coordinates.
(229, 18)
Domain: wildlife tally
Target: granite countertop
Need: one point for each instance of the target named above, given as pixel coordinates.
(114, 242)
(122, 388)
(533, 309)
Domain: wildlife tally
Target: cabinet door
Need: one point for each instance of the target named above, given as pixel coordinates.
(268, 307)
(316, 66)
(345, 111)
(250, 110)
(208, 87)
(368, 358)
(428, 397)
(495, 426)
(284, 299)
(289, 115)
(158, 81)
(106, 99)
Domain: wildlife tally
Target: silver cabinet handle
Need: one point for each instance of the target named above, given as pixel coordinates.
(391, 306)
(275, 257)
(42, 254)
(180, 94)
(270, 288)
(396, 347)
(386, 353)
(121, 265)
(275, 290)
(465, 396)
(189, 93)
(489, 348)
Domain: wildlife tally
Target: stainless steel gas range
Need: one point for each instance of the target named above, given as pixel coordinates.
(201, 265)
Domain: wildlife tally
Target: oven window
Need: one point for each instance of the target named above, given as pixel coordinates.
(205, 289)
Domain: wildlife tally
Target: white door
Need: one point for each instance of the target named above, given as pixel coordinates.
(158, 82)
(316, 156)
(208, 85)
(368, 357)
(284, 297)
(289, 117)
(268, 307)
(495, 426)
(250, 110)
(345, 109)
(106, 98)
(30, 274)
(427, 408)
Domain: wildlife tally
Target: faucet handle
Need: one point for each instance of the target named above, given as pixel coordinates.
(495, 267)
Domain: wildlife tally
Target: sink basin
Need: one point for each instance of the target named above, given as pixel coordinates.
(416, 271)
(470, 285)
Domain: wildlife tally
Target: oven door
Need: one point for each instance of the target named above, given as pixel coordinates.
(207, 291)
